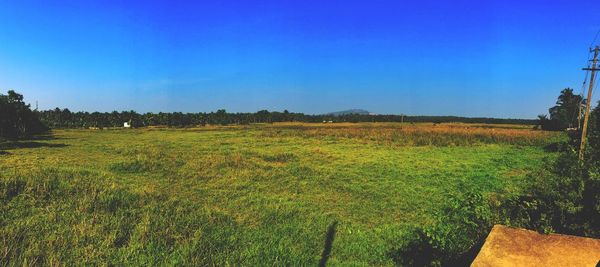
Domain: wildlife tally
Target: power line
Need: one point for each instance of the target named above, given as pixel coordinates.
(595, 37)
(582, 97)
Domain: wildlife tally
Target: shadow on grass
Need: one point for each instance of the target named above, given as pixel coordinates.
(42, 136)
(468, 257)
(28, 144)
(328, 244)
(555, 147)
(32, 142)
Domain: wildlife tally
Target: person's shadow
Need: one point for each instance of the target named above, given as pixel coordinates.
(328, 244)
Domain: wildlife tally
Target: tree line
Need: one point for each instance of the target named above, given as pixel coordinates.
(64, 118)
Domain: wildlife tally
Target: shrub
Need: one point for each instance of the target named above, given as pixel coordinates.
(455, 233)
(563, 199)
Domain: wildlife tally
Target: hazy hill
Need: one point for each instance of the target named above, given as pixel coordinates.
(349, 112)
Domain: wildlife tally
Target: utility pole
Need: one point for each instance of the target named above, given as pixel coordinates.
(581, 106)
(579, 115)
(588, 103)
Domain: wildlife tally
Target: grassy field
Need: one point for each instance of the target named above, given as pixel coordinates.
(251, 195)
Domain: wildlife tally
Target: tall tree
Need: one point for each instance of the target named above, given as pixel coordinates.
(564, 114)
(17, 120)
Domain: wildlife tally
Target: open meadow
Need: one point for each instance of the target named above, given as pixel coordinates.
(251, 195)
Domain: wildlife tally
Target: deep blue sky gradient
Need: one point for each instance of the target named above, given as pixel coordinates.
(467, 58)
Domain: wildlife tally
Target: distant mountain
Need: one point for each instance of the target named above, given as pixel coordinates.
(349, 112)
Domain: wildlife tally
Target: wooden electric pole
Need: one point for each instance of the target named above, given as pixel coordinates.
(588, 103)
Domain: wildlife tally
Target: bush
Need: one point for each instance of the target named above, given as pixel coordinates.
(452, 238)
(563, 199)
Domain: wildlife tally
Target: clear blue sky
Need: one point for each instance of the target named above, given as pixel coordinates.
(467, 58)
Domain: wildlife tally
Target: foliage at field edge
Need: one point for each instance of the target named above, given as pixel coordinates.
(16, 118)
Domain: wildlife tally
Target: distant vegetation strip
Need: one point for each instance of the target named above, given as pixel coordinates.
(64, 118)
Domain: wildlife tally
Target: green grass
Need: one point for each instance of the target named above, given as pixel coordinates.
(256, 195)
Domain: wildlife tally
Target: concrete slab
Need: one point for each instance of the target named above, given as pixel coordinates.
(507, 246)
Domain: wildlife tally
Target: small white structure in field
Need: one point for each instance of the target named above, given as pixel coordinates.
(126, 125)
